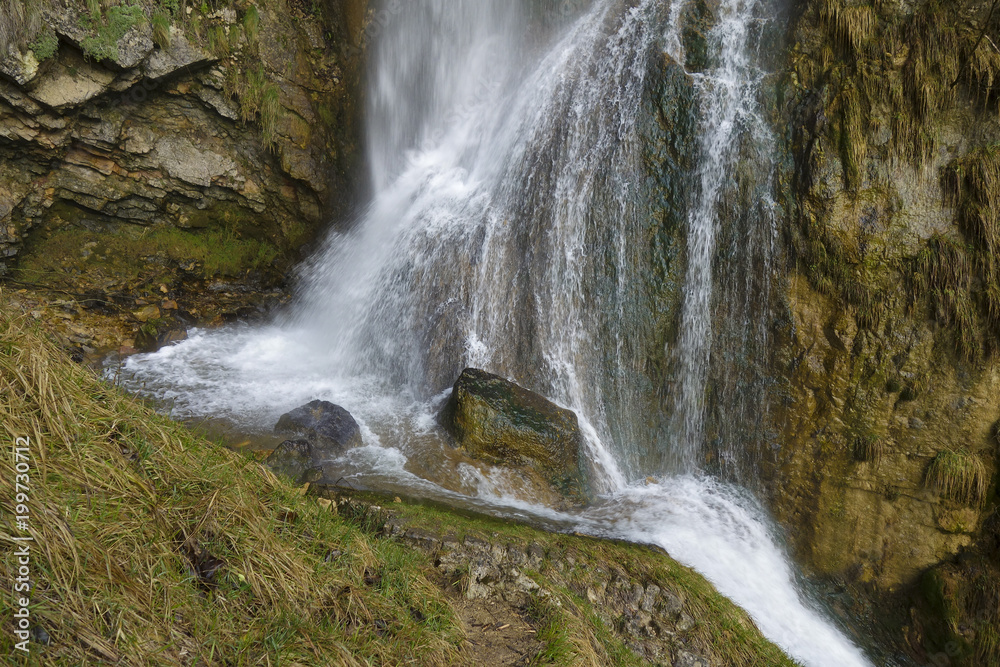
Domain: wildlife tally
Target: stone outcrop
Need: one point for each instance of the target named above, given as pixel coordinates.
(216, 153)
(495, 420)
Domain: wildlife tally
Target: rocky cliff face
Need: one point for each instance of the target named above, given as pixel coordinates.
(887, 356)
(152, 148)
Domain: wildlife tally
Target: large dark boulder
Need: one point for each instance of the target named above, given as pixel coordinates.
(324, 431)
(329, 428)
(502, 423)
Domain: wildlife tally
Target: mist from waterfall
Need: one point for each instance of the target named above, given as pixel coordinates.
(509, 229)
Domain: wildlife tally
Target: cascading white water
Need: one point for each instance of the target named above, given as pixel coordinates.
(731, 130)
(508, 230)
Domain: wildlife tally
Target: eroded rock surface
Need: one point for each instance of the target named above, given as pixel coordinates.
(215, 154)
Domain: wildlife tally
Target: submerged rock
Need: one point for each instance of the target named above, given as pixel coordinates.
(329, 428)
(502, 423)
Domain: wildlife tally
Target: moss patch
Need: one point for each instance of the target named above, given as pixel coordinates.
(133, 255)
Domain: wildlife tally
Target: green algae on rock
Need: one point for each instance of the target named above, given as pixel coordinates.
(502, 423)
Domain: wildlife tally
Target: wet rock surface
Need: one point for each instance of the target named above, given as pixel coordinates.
(326, 431)
(502, 423)
(329, 427)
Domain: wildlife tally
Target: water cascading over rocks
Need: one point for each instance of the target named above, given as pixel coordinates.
(554, 202)
(731, 238)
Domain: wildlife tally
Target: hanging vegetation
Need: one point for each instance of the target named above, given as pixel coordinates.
(907, 67)
(892, 72)
(958, 475)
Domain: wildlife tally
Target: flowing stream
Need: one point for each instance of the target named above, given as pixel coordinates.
(514, 227)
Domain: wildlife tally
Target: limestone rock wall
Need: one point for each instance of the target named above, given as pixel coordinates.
(885, 460)
(216, 147)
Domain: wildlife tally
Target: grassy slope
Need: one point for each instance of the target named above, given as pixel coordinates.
(130, 513)
(153, 546)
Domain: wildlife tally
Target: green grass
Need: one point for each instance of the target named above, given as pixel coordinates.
(218, 42)
(259, 100)
(879, 67)
(877, 60)
(566, 639)
(154, 547)
(161, 30)
(861, 283)
(251, 24)
(220, 251)
(45, 46)
(270, 108)
(108, 28)
(958, 475)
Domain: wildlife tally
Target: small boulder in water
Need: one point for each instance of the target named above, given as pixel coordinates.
(502, 423)
(329, 428)
(324, 430)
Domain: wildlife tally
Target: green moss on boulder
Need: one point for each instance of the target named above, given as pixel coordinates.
(500, 422)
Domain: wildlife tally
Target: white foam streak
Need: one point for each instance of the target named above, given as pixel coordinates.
(722, 533)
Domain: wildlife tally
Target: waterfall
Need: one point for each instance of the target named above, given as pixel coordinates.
(512, 227)
(733, 134)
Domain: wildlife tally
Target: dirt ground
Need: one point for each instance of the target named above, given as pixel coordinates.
(498, 633)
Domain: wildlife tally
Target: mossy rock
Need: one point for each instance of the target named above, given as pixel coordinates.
(502, 423)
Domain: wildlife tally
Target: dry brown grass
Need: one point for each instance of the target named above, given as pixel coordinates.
(960, 476)
(153, 547)
(20, 21)
(905, 67)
